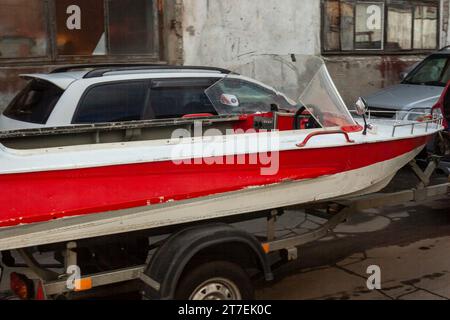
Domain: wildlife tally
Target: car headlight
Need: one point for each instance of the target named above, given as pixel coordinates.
(419, 114)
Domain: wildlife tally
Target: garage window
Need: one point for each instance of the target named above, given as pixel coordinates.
(23, 29)
(380, 25)
(70, 30)
(98, 27)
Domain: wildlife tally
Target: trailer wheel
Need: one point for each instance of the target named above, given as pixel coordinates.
(218, 280)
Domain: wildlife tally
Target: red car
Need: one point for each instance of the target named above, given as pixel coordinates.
(443, 106)
(443, 146)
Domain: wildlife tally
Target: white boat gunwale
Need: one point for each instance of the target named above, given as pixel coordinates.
(137, 152)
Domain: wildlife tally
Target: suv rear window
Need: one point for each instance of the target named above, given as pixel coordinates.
(113, 102)
(35, 102)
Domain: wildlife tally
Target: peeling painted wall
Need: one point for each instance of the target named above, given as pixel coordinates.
(360, 76)
(220, 32)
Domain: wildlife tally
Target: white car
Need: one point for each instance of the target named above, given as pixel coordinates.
(119, 93)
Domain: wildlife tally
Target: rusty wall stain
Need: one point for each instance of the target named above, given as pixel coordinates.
(391, 67)
(357, 76)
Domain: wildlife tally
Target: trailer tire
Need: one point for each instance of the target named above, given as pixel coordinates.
(216, 280)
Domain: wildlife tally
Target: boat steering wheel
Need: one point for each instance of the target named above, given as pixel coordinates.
(312, 122)
(297, 116)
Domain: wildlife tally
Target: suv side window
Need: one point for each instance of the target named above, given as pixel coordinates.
(113, 102)
(174, 98)
(252, 97)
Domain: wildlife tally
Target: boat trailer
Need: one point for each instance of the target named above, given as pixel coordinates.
(52, 284)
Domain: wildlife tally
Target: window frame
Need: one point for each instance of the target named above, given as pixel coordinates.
(52, 56)
(383, 51)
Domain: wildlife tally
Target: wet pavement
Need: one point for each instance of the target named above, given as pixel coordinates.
(409, 243)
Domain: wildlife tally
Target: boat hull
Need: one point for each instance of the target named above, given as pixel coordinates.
(322, 173)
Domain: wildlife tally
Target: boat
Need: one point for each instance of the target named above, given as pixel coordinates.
(318, 151)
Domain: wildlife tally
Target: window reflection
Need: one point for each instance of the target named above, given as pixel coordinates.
(131, 26)
(331, 21)
(347, 26)
(362, 25)
(399, 28)
(425, 25)
(88, 39)
(23, 30)
(369, 26)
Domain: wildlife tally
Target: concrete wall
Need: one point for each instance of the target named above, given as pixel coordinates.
(221, 32)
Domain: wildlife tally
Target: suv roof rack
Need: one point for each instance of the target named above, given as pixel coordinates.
(444, 48)
(100, 72)
(101, 65)
(100, 69)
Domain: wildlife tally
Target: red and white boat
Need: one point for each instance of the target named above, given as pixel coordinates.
(46, 175)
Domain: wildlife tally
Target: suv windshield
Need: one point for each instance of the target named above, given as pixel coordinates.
(35, 102)
(434, 71)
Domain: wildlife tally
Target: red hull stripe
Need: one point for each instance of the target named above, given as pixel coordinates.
(43, 196)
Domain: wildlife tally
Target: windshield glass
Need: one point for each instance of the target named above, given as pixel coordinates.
(235, 95)
(324, 102)
(297, 81)
(434, 71)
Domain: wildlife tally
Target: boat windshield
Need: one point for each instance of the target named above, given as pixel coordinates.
(285, 83)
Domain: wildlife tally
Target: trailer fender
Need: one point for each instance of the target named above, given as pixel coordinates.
(167, 265)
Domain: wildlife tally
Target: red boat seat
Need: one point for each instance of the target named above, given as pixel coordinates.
(197, 115)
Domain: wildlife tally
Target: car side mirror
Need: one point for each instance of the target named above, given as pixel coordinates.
(361, 106)
(403, 75)
(229, 100)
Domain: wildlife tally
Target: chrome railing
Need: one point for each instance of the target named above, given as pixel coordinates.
(437, 121)
(403, 119)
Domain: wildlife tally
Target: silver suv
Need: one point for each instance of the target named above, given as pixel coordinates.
(418, 92)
